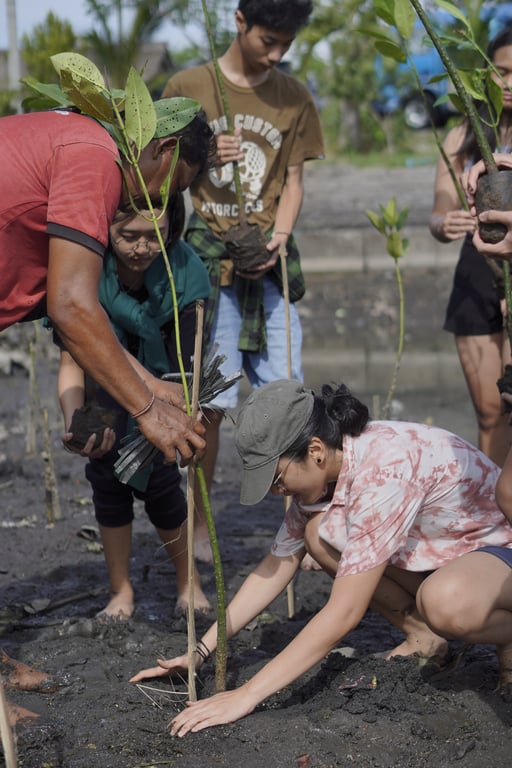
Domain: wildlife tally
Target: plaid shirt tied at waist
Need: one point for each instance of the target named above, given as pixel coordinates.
(253, 334)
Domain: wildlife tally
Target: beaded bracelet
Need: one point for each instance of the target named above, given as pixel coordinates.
(145, 409)
(203, 651)
(282, 233)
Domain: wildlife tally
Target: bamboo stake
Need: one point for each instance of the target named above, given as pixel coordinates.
(33, 404)
(6, 732)
(51, 487)
(290, 595)
(191, 475)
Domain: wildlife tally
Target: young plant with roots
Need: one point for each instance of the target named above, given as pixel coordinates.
(130, 117)
(389, 223)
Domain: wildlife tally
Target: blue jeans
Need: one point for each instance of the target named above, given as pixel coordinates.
(260, 367)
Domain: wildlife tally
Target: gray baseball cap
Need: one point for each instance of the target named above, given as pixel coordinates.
(269, 422)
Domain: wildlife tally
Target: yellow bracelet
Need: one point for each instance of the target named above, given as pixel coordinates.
(145, 409)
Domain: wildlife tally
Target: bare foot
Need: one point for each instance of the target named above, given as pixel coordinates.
(17, 714)
(309, 564)
(201, 604)
(202, 547)
(119, 608)
(427, 646)
(15, 674)
(505, 661)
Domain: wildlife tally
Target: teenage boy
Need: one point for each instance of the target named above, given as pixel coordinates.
(276, 128)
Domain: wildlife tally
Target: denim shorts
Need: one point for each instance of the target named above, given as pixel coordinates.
(504, 553)
(260, 367)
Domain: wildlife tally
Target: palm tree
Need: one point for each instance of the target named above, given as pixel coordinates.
(114, 47)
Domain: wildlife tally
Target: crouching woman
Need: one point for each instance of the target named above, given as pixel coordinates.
(403, 516)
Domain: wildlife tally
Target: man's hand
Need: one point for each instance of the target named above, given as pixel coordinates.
(171, 430)
(168, 391)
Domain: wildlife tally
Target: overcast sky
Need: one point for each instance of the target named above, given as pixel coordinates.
(32, 12)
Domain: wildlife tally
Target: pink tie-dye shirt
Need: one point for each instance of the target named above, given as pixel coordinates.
(409, 494)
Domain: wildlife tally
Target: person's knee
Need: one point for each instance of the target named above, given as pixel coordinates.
(490, 415)
(447, 607)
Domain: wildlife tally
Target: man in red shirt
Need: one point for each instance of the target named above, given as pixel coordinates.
(62, 180)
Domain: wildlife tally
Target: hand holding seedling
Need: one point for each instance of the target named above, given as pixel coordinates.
(228, 147)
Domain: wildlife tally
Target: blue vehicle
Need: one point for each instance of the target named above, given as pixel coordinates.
(400, 91)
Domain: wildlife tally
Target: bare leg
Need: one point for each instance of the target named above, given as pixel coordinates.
(202, 547)
(394, 599)
(470, 599)
(117, 546)
(482, 361)
(175, 542)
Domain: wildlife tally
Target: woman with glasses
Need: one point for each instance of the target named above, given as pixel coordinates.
(135, 292)
(403, 517)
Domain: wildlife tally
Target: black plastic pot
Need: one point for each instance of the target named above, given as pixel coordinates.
(494, 192)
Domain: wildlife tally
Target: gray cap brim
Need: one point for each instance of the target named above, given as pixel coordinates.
(256, 482)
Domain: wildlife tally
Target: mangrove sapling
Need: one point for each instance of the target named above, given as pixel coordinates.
(389, 223)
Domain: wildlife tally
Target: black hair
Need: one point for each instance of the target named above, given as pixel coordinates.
(278, 15)
(469, 148)
(176, 209)
(197, 143)
(175, 212)
(336, 412)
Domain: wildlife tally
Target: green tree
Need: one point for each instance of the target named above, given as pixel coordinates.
(120, 29)
(341, 64)
(52, 36)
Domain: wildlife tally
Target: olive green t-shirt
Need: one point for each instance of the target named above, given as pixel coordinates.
(280, 127)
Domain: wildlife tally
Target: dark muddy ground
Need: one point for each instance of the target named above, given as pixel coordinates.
(359, 711)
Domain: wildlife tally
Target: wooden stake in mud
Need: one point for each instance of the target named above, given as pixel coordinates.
(191, 476)
(6, 732)
(286, 295)
(51, 487)
(33, 404)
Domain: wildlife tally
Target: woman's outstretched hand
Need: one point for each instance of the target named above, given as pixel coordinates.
(225, 707)
(165, 668)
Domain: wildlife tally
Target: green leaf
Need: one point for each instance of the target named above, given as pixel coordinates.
(495, 95)
(404, 18)
(390, 213)
(378, 33)
(395, 245)
(50, 93)
(454, 10)
(473, 84)
(86, 96)
(79, 66)
(385, 10)
(140, 115)
(183, 112)
(166, 186)
(402, 218)
(391, 51)
(377, 221)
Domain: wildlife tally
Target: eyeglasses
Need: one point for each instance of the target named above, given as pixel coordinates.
(132, 243)
(277, 482)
